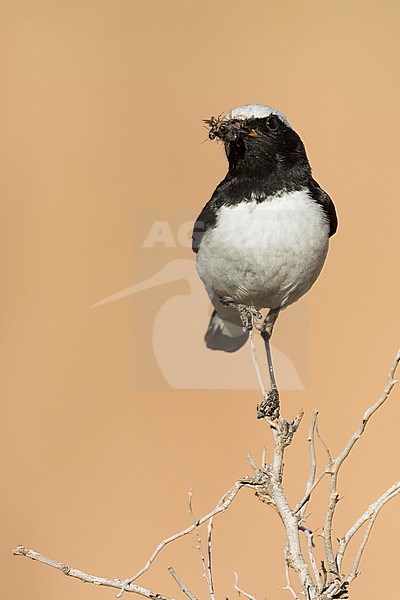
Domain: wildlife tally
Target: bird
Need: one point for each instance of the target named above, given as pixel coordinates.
(262, 239)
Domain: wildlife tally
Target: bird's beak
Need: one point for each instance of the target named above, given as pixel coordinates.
(252, 133)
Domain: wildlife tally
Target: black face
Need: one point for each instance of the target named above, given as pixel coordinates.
(258, 146)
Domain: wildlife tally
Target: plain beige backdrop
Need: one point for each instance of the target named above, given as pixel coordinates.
(101, 115)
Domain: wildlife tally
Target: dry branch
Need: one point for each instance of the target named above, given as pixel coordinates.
(85, 577)
(222, 505)
(206, 565)
(327, 584)
(239, 590)
(181, 584)
(369, 515)
(313, 457)
(127, 584)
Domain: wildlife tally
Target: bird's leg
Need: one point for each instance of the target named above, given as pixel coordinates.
(269, 321)
(247, 313)
(269, 407)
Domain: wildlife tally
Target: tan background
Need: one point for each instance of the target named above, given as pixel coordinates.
(102, 103)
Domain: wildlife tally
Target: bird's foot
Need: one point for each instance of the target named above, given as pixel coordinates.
(270, 406)
(249, 315)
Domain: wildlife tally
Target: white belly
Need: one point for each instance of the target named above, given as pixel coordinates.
(265, 253)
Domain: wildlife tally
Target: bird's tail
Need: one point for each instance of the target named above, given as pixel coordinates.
(224, 334)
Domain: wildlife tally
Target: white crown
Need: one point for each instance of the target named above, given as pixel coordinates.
(255, 111)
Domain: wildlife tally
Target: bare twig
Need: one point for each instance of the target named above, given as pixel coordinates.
(181, 584)
(313, 467)
(309, 535)
(205, 567)
(369, 515)
(86, 578)
(306, 498)
(222, 506)
(323, 443)
(263, 458)
(240, 591)
(209, 553)
(253, 465)
(339, 460)
(354, 571)
(288, 585)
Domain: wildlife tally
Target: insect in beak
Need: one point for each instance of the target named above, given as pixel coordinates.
(252, 133)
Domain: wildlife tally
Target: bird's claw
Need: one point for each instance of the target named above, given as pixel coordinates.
(248, 314)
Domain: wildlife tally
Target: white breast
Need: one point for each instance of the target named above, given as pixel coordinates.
(265, 253)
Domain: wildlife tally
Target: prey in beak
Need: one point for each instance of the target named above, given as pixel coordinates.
(228, 130)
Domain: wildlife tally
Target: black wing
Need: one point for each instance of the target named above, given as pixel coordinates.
(224, 194)
(208, 216)
(206, 219)
(320, 196)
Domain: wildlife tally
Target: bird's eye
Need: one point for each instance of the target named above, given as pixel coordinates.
(223, 128)
(273, 123)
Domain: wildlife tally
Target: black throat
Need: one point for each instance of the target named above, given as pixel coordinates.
(260, 167)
